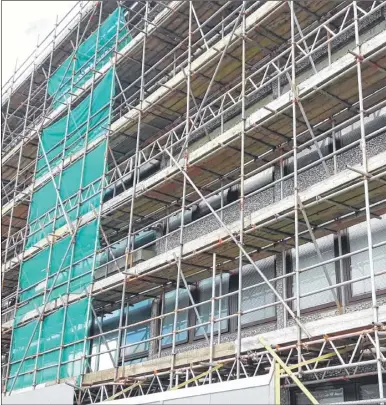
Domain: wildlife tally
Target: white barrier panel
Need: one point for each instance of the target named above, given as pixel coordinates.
(55, 394)
(254, 390)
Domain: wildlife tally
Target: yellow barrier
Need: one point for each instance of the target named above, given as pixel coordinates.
(296, 380)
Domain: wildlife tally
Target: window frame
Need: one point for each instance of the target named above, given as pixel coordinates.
(193, 317)
(234, 286)
(164, 346)
(123, 358)
(289, 284)
(351, 298)
(351, 389)
(94, 330)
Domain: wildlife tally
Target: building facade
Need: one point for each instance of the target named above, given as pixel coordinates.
(194, 193)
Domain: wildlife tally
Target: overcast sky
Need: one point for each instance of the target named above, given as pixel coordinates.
(23, 22)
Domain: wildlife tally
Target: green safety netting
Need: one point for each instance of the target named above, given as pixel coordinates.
(38, 275)
(68, 326)
(62, 268)
(43, 272)
(66, 266)
(80, 63)
(74, 275)
(68, 135)
(46, 213)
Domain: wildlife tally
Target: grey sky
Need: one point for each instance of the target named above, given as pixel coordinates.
(23, 22)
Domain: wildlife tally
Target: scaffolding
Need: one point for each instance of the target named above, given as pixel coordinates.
(151, 147)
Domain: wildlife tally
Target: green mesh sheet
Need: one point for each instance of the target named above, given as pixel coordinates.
(34, 270)
(68, 135)
(65, 267)
(21, 337)
(24, 380)
(45, 206)
(80, 64)
(72, 323)
(76, 260)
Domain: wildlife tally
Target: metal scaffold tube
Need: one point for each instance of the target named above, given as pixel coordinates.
(294, 98)
(173, 377)
(358, 58)
(242, 196)
(90, 310)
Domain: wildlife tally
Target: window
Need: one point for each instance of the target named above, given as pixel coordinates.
(314, 279)
(258, 295)
(182, 317)
(138, 312)
(361, 390)
(370, 391)
(359, 263)
(105, 359)
(108, 322)
(322, 395)
(221, 305)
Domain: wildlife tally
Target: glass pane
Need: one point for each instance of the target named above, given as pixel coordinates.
(314, 279)
(360, 262)
(94, 359)
(138, 312)
(182, 317)
(221, 305)
(323, 396)
(257, 296)
(370, 391)
(105, 361)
